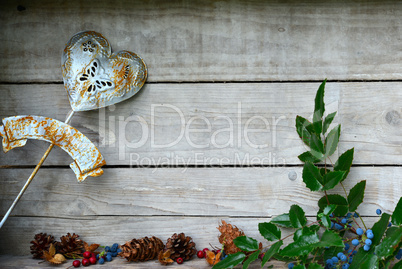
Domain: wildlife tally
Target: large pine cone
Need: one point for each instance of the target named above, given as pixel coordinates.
(141, 250)
(228, 234)
(41, 242)
(70, 246)
(181, 246)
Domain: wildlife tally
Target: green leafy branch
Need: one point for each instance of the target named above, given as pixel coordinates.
(336, 239)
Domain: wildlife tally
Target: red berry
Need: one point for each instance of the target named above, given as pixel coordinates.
(76, 263)
(200, 254)
(87, 254)
(205, 251)
(85, 262)
(179, 260)
(93, 255)
(92, 260)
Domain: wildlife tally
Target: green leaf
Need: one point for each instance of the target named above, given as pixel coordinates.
(356, 195)
(398, 265)
(271, 252)
(390, 243)
(304, 128)
(312, 177)
(308, 157)
(230, 261)
(332, 179)
(379, 229)
(297, 216)
(315, 266)
(334, 199)
(282, 220)
(251, 258)
(246, 243)
(269, 231)
(330, 239)
(303, 246)
(319, 100)
(326, 221)
(344, 162)
(305, 231)
(331, 142)
(397, 215)
(329, 209)
(327, 122)
(317, 147)
(300, 266)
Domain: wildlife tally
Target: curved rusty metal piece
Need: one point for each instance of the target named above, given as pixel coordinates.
(87, 158)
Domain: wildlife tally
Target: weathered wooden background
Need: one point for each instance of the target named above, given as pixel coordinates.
(211, 135)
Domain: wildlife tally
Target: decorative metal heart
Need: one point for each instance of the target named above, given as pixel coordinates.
(94, 77)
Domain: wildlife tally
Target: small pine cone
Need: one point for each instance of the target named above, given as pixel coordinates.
(41, 242)
(181, 246)
(141, 250)
(228, 234)
(70, 246)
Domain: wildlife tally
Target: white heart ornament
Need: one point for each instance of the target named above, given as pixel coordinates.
(94, 77)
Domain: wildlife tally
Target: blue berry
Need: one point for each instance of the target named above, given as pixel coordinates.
(399, 255)
(368, 242)
(338, 227)
(101, 261)
(345, 266)
(389, 224)
(354, 252)
(356, 215)
(332, 225)
(343, 258)
(350, 259)
(114, 254)
(119, 250)
(339, 254)
(107, 249)
(335, 259)
(366, 248)
(378, 211)
(347, 246)
(291, 265)
(109, 258)
(359, 231)
(349, 215)
(355, 242)
(344, 220)
(97, 256)
(370, 235)
(329, 262)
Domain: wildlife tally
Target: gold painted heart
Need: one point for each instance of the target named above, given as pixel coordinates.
(94, 77)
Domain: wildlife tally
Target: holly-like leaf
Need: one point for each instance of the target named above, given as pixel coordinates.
(317, 147)
(334, 199)
(315, 266)
(303, 246)
(282, 220)
(230, 261)
(356, 195)
(326, 221)
(379, 229)
(329, 209)
(304, 129)
(246, 243)
(331, 142)
(390, 243)
(319, 109)
(344, 162)
(397, 215)
(327, 122)
(308, 157)
(299, 266)
(297, 216)
(312, 177)
(330, 239)
(250, 259)
(332, 179)
(269, 231)
(271, 252)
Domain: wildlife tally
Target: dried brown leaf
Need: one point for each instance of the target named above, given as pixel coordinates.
(164, 257)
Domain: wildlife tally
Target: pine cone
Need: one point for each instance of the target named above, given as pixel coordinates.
(181, 246)
(141, 250)
(228, 234)
(41, 242)
(70, 246)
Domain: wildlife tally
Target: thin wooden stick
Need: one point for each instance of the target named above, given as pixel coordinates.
(49, 149)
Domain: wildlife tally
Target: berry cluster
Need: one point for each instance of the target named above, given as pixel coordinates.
(92, 258)
(341, 260)
(217, 254)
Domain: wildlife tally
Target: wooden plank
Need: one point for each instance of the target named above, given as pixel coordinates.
(216, 124)
(256, 192)
(19, 231)
(212, 41)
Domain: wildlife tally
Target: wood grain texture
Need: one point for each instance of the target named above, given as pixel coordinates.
(212, 40)
(216, 123)
(246, 192)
